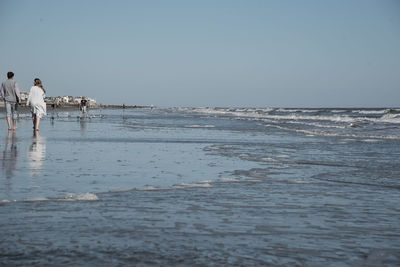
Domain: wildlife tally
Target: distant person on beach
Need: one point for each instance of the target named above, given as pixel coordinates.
(83, 105)
(36, 102)
(11, 95)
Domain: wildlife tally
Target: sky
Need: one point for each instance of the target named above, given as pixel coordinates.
(214, 53)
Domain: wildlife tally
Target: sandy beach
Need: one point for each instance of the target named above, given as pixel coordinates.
(200, 187)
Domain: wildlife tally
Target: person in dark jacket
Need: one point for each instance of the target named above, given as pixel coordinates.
(11, 95)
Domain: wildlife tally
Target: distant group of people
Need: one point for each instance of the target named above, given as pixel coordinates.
(83, 106)
(11, 94)
(12, 97)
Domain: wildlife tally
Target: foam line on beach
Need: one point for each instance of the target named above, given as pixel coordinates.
(294, 115)
(201, 184)
(200, 126)
(321, 133)
(237, 180)
(183, 186)
(71, 197)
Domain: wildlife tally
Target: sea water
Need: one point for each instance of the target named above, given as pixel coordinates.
(202, 186)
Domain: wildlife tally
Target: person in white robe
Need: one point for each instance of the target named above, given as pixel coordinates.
(36, 102)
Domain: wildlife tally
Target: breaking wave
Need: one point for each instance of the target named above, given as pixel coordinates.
(361, 123)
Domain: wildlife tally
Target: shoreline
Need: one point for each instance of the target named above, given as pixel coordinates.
(23, 108)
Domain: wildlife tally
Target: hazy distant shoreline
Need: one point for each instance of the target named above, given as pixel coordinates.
(65, 106)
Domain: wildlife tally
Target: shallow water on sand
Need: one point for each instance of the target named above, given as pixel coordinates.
(202, 187)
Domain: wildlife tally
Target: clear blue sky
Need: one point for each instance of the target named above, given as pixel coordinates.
(334, 53)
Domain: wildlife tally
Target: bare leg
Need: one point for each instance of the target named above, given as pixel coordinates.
(9, 123)
(37, 123)
(14, 124)
(33, 122)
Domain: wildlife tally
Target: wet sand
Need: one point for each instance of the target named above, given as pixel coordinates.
(142, 188)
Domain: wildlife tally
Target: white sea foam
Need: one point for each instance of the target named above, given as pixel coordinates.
(382, 111)
(298, 110)
(37, 199)
(302, 182)
(120, 190)
(319, 125)
(390, 118)
(68, 197)
(79, 197)
(268, 159)
(283, 156)
(227, 180)
(331, 134)
(370, 140)
(152, 188)
(213, 147)
(251, 181)
(191, 185)
(296, 117)
(237, 180)
(265, 115)
(200, 126)
(299, 115)
(201, 184)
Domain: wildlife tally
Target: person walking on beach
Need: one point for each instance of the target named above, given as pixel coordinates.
(83, 105)
(11, 95)
(36, 102)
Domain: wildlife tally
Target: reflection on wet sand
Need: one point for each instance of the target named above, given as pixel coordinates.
(37, 154)
(10, 155)
(82, 123)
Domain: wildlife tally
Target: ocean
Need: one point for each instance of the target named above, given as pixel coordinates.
(202, 187)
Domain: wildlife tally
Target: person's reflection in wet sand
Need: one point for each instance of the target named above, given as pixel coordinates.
(83, 125)
(10, 155)
(37, 154)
